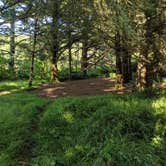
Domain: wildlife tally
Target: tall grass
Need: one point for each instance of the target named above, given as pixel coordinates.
(110, 130)
(16, 114)
(103, 131)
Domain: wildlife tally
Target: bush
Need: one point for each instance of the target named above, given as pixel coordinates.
(99, 71)
(63, 75)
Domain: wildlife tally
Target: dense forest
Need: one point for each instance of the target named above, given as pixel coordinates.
(61, 40)
(82, 82)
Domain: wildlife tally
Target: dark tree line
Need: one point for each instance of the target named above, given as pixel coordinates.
(85, 33)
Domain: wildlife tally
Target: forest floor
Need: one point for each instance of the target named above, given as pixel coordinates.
(126, 129)
(87, 87)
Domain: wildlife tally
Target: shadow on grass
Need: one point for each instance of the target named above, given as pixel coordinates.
(17, 112)
(103, 130)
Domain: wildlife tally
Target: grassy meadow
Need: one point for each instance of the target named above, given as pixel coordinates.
(109, 130)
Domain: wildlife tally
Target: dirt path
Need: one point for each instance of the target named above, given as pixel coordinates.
(89, 87)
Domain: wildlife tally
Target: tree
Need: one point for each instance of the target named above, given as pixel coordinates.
(12, 38)
(116, 16)
(150, 55)
(31, 75)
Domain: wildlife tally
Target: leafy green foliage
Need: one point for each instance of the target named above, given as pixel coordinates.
(99, 71)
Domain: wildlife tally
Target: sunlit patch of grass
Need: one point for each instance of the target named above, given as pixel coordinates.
(10, 85)
(159, 105)
(7, 87)
(157, 140)
(6, 92)
(68, 117)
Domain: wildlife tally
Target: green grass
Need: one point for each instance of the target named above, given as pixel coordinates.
(105, 130)
(16, 114)
(110, 130)
(18, 85)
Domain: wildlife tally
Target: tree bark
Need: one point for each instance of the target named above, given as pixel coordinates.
(54, 68)
(126, 59)
(143, 68)
(126, 65)
(54, 72)
(119, 69)
(84, 60)
(54, 40)
(70, 62)
(31, 75)
(69, 52)
(123, 60)
(12, 39)
(141, 73)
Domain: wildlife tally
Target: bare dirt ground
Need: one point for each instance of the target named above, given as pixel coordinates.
(88, 87)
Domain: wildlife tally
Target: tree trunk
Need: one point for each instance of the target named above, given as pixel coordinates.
(76, 61)
(141, 73)
(130, 68)
(54, 40)
(54, 68)
(126, 65)
(126, 59)
(12, 40)
(70, 63)
(54, 72)
(70, 54)
(119, 69)
(31, 75)
(123, 60)
(143, 68)
(84, 61)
